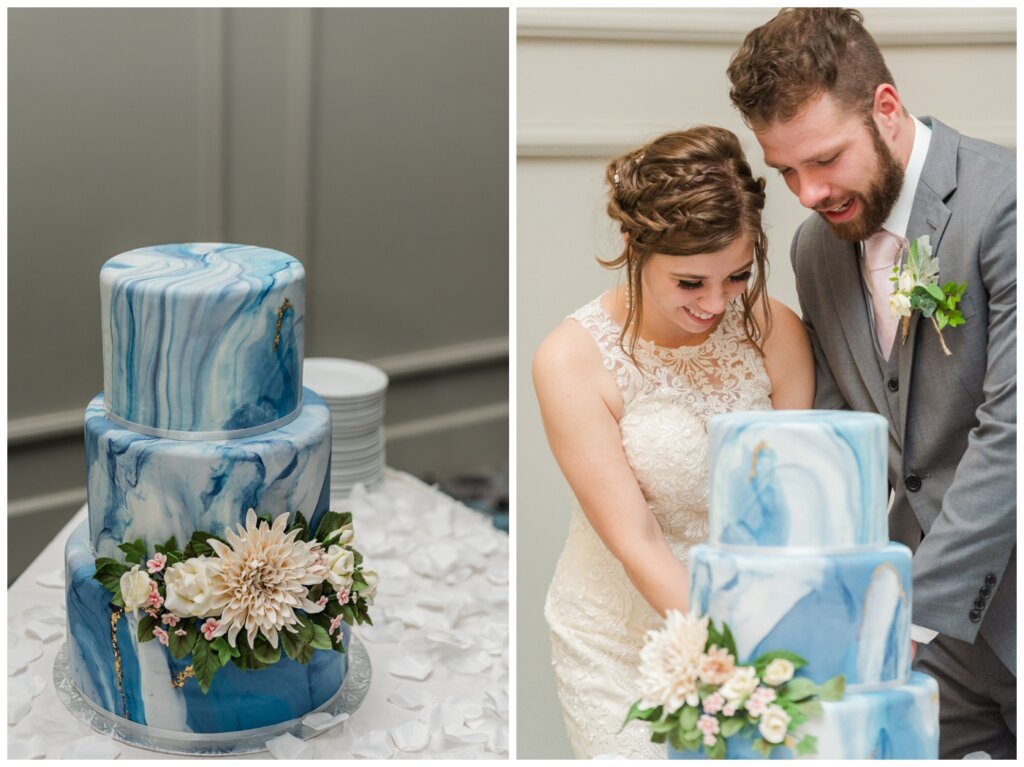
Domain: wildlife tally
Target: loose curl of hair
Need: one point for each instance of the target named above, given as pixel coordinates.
(687, 193)
(800, 54)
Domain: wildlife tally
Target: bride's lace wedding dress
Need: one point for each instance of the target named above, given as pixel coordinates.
(597, 618)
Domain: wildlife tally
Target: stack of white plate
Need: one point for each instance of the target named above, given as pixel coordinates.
(354, 391)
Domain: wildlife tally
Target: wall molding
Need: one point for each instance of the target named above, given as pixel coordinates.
(889, 26)
(37, 504)
(399, 367)
(572, 143)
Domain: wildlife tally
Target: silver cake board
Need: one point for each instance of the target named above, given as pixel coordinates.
(348, 698)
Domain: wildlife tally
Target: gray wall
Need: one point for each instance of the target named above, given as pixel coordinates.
(370, 144)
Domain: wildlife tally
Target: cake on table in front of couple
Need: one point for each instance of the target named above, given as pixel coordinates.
(799, 631)
(211, 589)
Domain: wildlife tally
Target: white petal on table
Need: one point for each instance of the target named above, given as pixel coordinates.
(373, 745)
(416, 667)
(390, 569)
(91, 747)
(497, 700)
(421, 563)
(50, 614)
(287, 746)
(26, 747)
(410, 696)
(44, 632)
(411, 736)
(20, 692)
(467, 707)
(445, 556)
(470, 663)
(53, 579)
(498, 575)
(323, 721)
(451, 638)
(21, 651)
(463, 734)
(459, 576)
(433, 602)
(410, 616)
(382, 634)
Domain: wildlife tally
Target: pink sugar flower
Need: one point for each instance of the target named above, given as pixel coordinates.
(729, 709)
(180, 632)
(211, 625)
(755, 706)
(335, 622)
(709, 740)
(764, 694)
(157, 563)
(343, 596)
(322, 601)
(161, 635)
(170, 619)
(713, 703)
(155, 600)
(707, 724)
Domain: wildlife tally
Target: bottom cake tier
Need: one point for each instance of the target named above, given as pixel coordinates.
(892, 723)
(137, 681)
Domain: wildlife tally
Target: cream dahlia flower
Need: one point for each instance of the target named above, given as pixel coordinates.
(262, 577)
(670, 661)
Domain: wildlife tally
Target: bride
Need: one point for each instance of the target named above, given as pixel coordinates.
(626, 385)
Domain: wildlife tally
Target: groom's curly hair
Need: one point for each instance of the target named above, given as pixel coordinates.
(688, 193)
(800, 54)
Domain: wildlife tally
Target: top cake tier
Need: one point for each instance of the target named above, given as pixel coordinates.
(798, 478)
(202, 338)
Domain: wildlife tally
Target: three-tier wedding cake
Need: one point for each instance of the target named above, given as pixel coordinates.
(798, 559)
(210, 588)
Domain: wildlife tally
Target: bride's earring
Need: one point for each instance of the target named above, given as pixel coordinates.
(629, 298)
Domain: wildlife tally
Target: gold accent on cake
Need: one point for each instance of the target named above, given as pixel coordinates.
(280, 315)
(118, 670)
(179, 680)
(761, 446)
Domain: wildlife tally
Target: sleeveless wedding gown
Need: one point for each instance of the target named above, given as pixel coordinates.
(597, 618)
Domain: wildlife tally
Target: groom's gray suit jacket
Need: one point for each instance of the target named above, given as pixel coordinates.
(952, 420)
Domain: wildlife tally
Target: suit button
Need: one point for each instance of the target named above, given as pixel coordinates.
(985, 591)
(990, 579)
(893, 384)
(912, 482)
(980, 603)
(975, 616)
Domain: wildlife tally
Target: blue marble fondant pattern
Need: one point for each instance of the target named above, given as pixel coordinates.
(191, 339)
(844, 614)
(237, 699)
(896, 723)
(798, 479)
(152, 488)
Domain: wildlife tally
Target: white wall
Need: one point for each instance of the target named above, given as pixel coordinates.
(594, 83)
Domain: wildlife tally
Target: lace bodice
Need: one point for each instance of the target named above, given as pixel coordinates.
(668, 396)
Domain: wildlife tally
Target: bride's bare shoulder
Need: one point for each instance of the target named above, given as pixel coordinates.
(569, 349)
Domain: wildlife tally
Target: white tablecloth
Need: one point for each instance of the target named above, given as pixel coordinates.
(441, 610)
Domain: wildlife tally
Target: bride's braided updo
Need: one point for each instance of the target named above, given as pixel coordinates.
(687, 193)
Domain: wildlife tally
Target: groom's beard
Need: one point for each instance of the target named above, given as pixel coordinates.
(883, 190)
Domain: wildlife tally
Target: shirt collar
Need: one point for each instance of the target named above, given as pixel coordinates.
(899, 217)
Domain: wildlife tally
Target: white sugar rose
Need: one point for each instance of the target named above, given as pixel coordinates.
(740, 684)
(135, 589)
(371, 578)
(340, 563)
(343, 536)
(899, 305)
(189, 588)
(779, 671)
(774, 724)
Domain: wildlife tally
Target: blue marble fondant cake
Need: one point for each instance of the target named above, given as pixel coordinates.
(203, 417)
(798, 558)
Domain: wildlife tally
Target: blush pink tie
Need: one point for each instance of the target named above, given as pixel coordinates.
(882, 250)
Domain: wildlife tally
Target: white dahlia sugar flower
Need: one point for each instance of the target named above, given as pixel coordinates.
(774, 724)
(262, 578)
(779, 671)
(372, 580)
(135, 589)
(716, 666)
(340, 564)
(190, 588)
(740, 684)
(669, 662)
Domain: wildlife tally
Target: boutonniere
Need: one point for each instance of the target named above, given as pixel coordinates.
(917, 289)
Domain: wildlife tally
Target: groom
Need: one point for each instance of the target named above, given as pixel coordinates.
(815, 90)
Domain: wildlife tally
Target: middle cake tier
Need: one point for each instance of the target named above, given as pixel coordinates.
(154, 488)
(843, 613)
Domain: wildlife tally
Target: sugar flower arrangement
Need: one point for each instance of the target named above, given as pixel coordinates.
(274, 584)
(695, 693)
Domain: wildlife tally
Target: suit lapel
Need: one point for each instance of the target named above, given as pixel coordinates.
(928, 216)
(846, 284)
